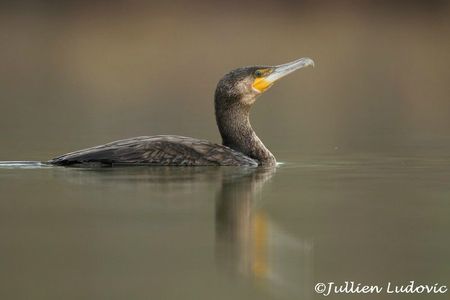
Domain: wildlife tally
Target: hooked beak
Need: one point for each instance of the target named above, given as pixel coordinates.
(263, 83)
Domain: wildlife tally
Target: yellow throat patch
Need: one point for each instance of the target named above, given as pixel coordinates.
(261, 84)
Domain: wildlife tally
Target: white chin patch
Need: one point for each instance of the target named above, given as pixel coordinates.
(248, 99)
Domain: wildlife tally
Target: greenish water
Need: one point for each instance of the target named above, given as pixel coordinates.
(224, 233)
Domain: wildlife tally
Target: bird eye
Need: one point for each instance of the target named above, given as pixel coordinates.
(258, 73)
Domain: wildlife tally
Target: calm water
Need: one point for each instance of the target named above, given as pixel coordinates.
(223, 233)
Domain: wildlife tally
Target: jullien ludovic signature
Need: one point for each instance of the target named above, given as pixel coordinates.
(352, 287)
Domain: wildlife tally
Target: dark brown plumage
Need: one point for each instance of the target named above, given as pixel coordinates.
(163, 150)
(236, 92)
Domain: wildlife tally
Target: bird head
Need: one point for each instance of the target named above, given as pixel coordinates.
(243, 85)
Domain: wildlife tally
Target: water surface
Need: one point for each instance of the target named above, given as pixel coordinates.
(221, 233)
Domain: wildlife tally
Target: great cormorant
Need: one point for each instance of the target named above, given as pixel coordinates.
(236, 92)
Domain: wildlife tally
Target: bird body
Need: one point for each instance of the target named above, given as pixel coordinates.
(162, 150)
(236, 92)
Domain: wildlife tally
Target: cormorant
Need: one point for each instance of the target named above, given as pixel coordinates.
(236, 92)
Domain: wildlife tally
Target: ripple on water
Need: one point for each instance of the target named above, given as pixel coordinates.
(23, 165)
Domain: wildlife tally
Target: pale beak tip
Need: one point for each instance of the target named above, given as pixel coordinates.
(310, 62)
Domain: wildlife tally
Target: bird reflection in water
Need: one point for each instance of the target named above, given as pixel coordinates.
(250, 244)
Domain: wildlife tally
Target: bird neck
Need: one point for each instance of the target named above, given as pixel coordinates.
(237, 133)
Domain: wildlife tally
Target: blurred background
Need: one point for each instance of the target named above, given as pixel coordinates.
(79, 73)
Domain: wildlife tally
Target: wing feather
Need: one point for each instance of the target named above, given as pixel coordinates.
(157, 150)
